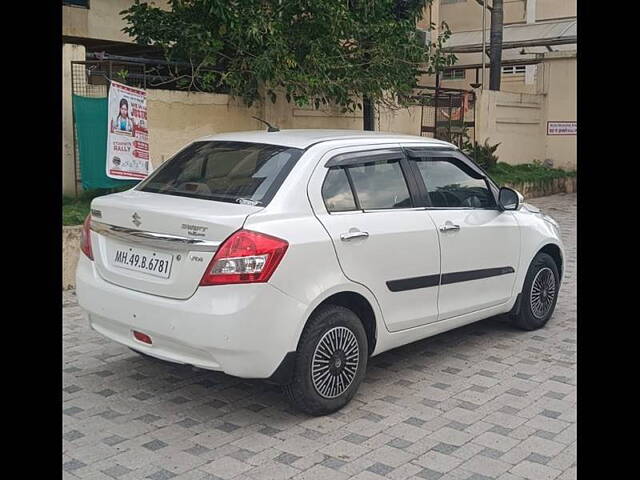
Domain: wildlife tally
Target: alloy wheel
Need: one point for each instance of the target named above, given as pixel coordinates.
(543, 292)
(335, 362)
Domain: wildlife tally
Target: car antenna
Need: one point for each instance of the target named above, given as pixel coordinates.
(270, 128)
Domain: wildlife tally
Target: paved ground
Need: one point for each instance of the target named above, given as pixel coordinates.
(482, 401)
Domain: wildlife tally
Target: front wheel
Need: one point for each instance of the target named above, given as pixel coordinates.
(331, 361)
(539, 293)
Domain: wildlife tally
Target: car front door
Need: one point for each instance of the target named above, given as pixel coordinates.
(383, 237)
(479, 243)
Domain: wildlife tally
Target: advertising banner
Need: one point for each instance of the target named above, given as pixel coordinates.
(128, 136)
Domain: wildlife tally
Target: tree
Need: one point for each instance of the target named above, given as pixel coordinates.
(316, 52)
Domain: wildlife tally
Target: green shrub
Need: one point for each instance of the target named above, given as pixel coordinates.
(503, 173)
(483, 154)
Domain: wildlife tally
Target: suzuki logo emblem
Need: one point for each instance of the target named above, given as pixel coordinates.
(136, 219)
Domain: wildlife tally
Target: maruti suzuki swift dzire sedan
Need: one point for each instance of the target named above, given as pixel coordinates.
(296, 255)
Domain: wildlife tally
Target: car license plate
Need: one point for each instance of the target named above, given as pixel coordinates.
(141, 260)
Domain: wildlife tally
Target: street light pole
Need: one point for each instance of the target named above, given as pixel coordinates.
(497, 22)
(484, 16)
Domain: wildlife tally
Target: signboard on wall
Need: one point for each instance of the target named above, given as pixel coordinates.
(562, 128)
(128, 135)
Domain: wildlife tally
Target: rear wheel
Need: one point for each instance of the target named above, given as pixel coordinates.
(331, 361)
(539, 293)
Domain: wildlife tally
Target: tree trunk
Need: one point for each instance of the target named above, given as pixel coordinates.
(495, 49)
(368, 114)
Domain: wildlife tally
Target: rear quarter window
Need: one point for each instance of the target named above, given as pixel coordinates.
(336, 192)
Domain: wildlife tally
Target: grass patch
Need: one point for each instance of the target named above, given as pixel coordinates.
(504, 173)
(75, 210)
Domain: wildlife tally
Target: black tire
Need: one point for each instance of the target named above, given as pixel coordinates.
(537, 307)
(301, 391)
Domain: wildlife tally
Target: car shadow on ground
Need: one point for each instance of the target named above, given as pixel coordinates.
(220, 394)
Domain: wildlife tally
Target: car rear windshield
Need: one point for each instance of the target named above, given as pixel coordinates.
(236, 172)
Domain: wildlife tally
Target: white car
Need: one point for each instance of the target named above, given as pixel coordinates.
(295, 255)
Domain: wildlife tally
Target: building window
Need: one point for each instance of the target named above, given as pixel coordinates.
(76, 3)
(455, 74)
(514, 70)
(448, 2)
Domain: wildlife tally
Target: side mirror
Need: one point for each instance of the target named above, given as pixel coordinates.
(509, 199)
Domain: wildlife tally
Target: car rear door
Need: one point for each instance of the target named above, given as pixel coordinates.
(479, 243)
(383, 237)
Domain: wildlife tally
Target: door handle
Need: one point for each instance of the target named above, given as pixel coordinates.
(449, 226)
(351, 235)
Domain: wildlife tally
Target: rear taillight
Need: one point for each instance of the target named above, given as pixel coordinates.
(85, 239)
(245, 257)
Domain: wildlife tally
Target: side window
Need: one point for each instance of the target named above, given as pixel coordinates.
(336, 192)
(450, 186)
(380, 185)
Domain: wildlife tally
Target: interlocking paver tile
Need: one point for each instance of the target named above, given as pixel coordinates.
(451, 436)
(116, 471)
(72, 435)
(445, 448)
(438, 461)
(226, 467)
(320, 472)
(428, 474)
(535, 471)
(72, 465)
(272, 471)
(355, 438)
(161, 474)
(399, 443)
(287, 458)
(486, 466)
(380, 469)
(154, 445)
(496, 441)
(542, 446)
(482, 401)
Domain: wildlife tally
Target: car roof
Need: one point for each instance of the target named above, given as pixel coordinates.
(303, 138)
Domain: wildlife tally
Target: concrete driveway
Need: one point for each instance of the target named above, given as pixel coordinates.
(483, 401)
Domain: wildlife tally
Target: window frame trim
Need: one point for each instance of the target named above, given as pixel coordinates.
(74, 5)
(513, 70)
(452, 77)
(347, 160)
(351, 159)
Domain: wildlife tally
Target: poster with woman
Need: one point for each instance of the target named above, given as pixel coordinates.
(128, 137)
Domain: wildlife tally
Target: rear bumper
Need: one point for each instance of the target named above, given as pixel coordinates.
(242, 330)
